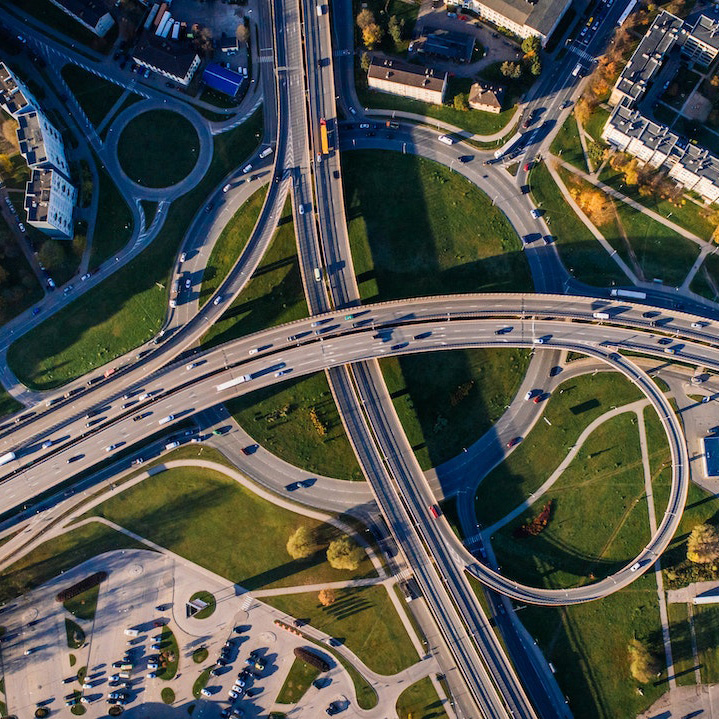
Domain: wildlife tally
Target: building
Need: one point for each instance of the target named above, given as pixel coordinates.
(49, 202)
(228, 44)
(219, 78)
(486, 97)
(92, 14)
(414, 81)
(15, 98)
(40, 142)
(173, 59)
(522, 17)
(702, 42)
(711, 456)
(444, 44)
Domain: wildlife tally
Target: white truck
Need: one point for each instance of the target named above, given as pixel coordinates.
(7, 457)
(234, 382)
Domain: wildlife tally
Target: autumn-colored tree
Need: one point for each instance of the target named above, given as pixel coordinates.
(372, 35)
(531, 45)
(343, 553)
(365, 18)
(703, 544)
(326, 597)
(365, 61)
(242, 33)
(511, 69)
(582, 111)
(643, 665)
(5, 165)
(301, 543)
(461, 102)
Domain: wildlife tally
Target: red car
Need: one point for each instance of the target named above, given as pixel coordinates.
(527, 165)
(513, 442)
(537, 399)
(434, 511)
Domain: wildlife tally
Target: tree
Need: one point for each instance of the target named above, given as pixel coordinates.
(326, 597)
(365, 61)
(5, 165)
(510, 69)
(643, 665)
(343, 553)
(301, 543)
(242, 33)
(535, 67)
(365, 19)
(703, 544)
(395, 30)
(51, 254)
(372, 35)
(531, 45)
(203, 39)
(461, 101)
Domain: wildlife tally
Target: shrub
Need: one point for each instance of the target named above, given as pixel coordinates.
(536, 525)
(343, 553)
(301, 543)
(309, 657)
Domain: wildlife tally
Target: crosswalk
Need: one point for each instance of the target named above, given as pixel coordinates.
(246, 602)
(583, 54)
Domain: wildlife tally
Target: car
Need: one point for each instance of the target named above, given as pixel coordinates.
(557, 369)
(188, 283)
(698, 325)
(151, 675)
(319, 157)
(86, 276)
(465, 158)
(434, 511)
(333, 708)
(205, 692)
(527, 166)
(548, 239)
(538, 398)
(634, 567)
(529, 394)
(539, 340)
(513, 442)
(47, 444)
(75, 458)
(281, 373)
(526, 123)
(536, 214)
(157, 645)
(226, 187)
(50, 283)
(183, 256)
(233, 694)
(246, 169)
(192, 365)
(146, 74)
(67, 290)
(364, 126)
(301, 210)
(137, 460)
(115, 678)
(152, 665)
(217, 300)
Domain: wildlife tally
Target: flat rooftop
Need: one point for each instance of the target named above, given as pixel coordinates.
(403, 73)
(11, 94)
(711, 455)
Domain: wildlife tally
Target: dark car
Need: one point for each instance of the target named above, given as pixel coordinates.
(466, 158)
(525, 189)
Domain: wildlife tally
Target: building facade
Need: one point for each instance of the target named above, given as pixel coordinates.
(414, 81)
(49, 202)
(172, 59)
(91, 14)
(15, 98)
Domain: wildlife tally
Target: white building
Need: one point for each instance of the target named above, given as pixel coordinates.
(40, 143)
(176, 60)
(414, 81)
(49, 202)
(15, 98)
(91, 14)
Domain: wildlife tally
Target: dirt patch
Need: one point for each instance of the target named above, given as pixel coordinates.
(697, 107)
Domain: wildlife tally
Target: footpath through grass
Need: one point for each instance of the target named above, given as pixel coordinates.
(158, 148)
(363, 619)
(273, 295)
(572, 406)
(95, 95)
(416, 228)
(580, 252)
(299, 680)
(280, 419)
(599, 517)
(447, 400)
(128, 308)
(420, 701)
(243, 537)
(230, 243)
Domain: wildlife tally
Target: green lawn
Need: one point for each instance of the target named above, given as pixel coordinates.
(572, 406)
(230, 244)
(19, 173)
(362, 618)
(680, 634)
(83, 605)
(689, 215)
(158, 148)
(95, 95)
(169, 654)
(131, 99)
(597, 121)
(60, 554)
(420, 701)
(8, 404)
(567, 146)
(298, 681)
(706, 628)
(167, 695)
(208, 599)
(709, 269)
(580, 252)
(273, 295)
(588, 646)
(74, 633)
(177, 506)
(129, 307)
(432, 232)
(278, 417)
(201, 682)
(113, 228)
(599, 517)
(447, 400)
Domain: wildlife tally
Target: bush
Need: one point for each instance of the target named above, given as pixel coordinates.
(81, 586)
(309, 657)
(536, 525)
(643, 665)
(301, 543)
(167, 695)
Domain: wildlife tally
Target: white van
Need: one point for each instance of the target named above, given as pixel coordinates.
(132, 632)
(172, 445)
(167, 419)
(267, 151)
(318, 274)
(446, 139)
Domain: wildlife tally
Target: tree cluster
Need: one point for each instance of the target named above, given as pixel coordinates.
(536, 525)
(703, 545)
(342, 553)
(594, 203)
(317, 423)
(372, 33)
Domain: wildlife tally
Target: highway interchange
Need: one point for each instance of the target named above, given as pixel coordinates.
(349, 353)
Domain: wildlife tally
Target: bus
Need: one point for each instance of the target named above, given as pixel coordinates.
(323, 136)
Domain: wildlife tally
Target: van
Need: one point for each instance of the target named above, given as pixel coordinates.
(132, 632)
(446, 139)
(172, 445)
(600, 315)
(267, 151)
(318, 274)
(124, 675)
(167, 419)
(577, 69)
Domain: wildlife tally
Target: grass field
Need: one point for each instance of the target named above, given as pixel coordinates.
(8, 404)
(580, 252)
(279, 419)
(432, 233)
(128, 308)
(60, 554)
(572, 406)
(596, 122)
(363, 619)
(599, 517)
(681, 640)
(74, 634)
(566, 144)
(83, 605)
(230, 244)
(272, 296)
(95, 95)
(113, 228)
(447, 400)
(659, 251)
(298, 681)
(700, 284)
(158, 148)
(588, 646)
(420, 701)
(175, 507)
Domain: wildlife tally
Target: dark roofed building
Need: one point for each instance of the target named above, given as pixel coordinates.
(402, 78)
(92, 14)
(219, 78)
(448, 45)
(174, 59)
(487, 97)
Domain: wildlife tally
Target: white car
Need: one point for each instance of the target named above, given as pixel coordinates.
(226, 187)
(536, 214)
(302, 210)
(246, 169)
(217, 300)
(528, 395)
(205, 692)
(190, 366)
(183, 256)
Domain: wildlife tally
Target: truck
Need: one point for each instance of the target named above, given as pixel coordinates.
(173, 293)
(7, 457)
(132, 632)
(234, 382)
(629, 294)
(323, 137)
(267, 151)
(600, 315)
